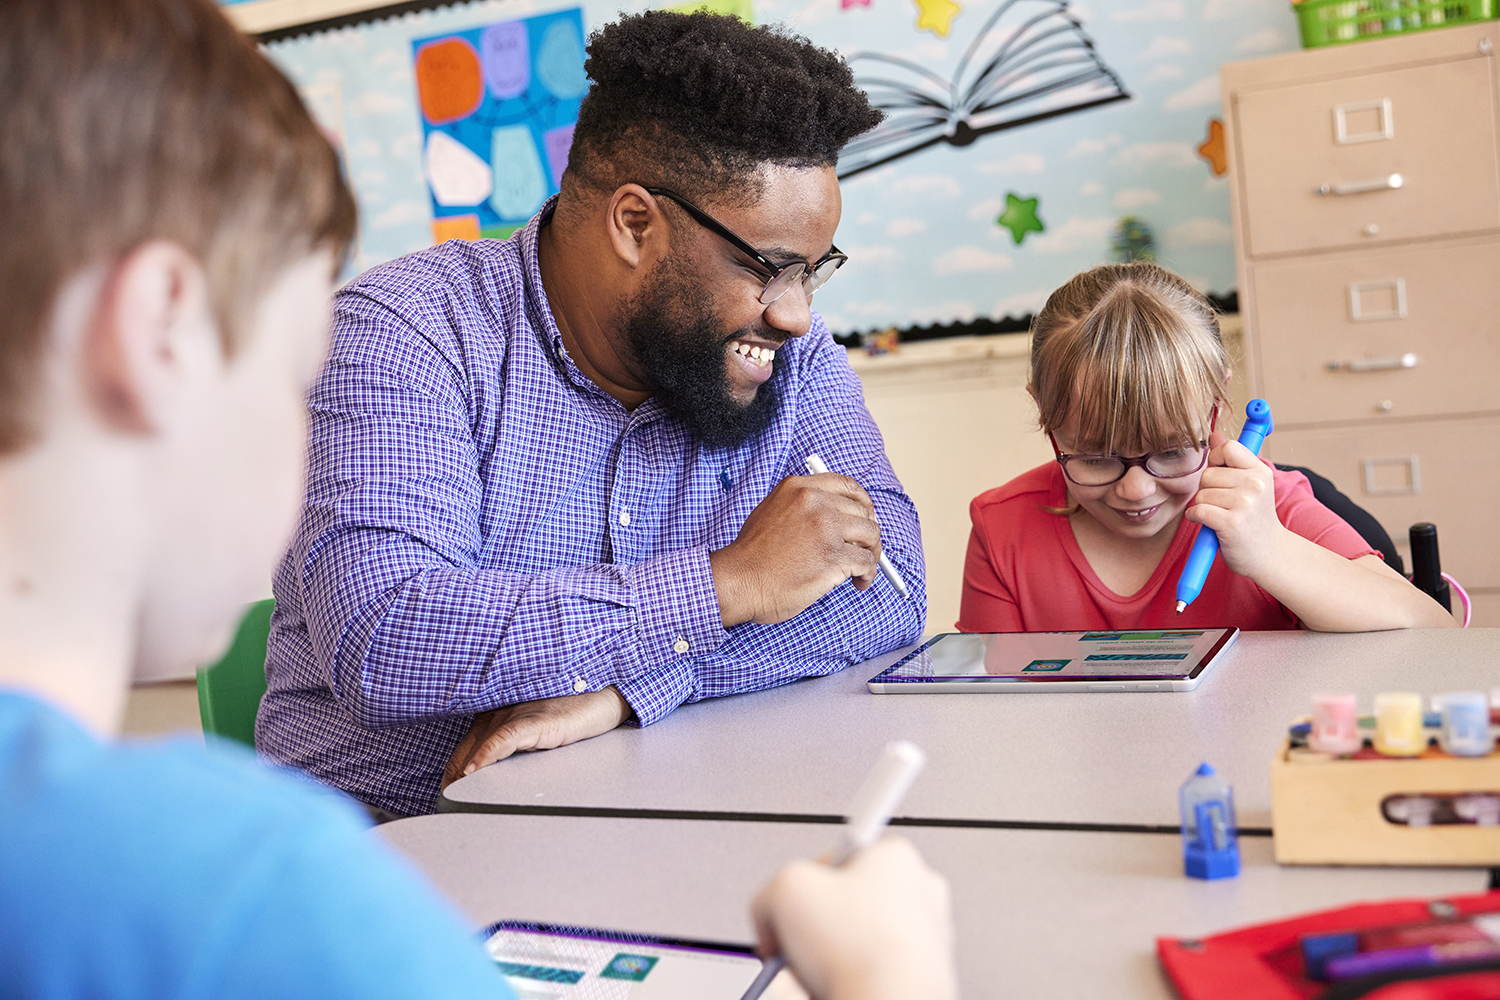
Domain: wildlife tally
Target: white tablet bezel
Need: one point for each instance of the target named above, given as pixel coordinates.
(932, 685)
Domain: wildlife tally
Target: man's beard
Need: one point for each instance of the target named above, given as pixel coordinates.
(683, 352)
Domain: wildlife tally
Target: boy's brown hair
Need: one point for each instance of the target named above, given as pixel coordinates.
(1137, 351)
(123, 121)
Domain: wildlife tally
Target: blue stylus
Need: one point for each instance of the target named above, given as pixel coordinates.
(1258, 424)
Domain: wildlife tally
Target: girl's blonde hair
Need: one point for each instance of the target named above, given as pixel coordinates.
(1135, 352)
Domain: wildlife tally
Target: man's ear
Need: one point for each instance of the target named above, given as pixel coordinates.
(637, 229)
(154, 300)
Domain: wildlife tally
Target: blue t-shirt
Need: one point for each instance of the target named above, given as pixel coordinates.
(163, 870)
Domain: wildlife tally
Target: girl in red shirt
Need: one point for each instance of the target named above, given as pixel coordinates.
(1130, 377)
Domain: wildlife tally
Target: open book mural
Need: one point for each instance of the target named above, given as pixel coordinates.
(1030, 61)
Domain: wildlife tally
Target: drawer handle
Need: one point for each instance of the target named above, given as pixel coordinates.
(1361, 187)
(1373, 364)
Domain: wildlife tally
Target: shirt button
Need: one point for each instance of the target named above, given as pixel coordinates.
(580, 685)
(625, 518)
(680, 646)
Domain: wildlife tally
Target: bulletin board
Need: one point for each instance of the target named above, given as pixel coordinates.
(498, 105)
(1025, 140)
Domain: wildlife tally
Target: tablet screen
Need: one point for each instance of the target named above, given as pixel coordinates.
(1023, 657)
(546, 962)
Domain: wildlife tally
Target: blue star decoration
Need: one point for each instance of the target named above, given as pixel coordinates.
(1020, 216)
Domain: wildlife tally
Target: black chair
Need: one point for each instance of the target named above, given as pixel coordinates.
(1359, 519)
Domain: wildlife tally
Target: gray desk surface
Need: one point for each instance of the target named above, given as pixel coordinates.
(1047, 758)
(1024, 900)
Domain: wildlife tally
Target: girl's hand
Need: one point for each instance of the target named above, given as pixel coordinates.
(1237, 499)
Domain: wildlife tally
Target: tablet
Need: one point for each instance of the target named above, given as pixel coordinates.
(1010, 662)
(551, 962)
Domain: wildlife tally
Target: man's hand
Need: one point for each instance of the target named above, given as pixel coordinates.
(535, 725)
(879, 928)
(810, 535)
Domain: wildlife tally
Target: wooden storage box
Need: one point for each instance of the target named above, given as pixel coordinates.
(1333, 811)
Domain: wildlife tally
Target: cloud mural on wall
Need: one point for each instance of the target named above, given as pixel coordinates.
(901, 219)
(1029, 62)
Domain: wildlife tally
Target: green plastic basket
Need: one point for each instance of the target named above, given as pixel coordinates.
(1334, 22)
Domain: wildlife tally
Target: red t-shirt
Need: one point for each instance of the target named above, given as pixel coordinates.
(1026, 573)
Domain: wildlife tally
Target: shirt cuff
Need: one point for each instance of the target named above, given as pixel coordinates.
(677, 608)
(677, 620)
(653, 696)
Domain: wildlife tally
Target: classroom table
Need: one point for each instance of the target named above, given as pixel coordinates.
(1038, 913)
(1096, 761)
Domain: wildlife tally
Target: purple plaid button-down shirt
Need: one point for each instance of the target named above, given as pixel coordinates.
(485, 526)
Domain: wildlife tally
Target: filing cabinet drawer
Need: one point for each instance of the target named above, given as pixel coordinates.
(1432, 126)
(1443, 471)
(1436, 309)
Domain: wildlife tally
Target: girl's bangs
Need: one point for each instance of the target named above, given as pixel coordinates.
(1141, 388)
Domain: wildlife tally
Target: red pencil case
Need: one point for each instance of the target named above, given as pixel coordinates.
(1264, 962)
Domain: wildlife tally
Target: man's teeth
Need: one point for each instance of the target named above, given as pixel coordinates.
(760, 355)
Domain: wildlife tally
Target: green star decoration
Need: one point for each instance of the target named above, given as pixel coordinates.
(1020, 216)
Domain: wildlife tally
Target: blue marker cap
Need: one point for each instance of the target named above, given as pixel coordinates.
(1210, 839)
(1317, 949)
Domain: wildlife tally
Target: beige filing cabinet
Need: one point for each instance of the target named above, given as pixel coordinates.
(1366, 203)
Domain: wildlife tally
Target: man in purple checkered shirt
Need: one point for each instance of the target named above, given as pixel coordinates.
(556, 483)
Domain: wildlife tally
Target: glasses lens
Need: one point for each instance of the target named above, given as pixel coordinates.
(815, 279)
(1093, 470)
(782, 283)
(1176, 462)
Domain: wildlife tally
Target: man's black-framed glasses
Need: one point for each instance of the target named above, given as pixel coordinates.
(782, 276)
(1106, 470)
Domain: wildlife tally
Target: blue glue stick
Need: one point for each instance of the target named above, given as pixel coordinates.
(1210, 840)
(1258, 424)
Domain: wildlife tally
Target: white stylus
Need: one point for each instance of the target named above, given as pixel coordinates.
(884, 788)
(816, 467)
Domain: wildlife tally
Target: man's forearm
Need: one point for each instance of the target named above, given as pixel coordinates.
(458, 641)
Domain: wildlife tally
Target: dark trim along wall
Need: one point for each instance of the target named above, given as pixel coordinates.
(1226, 303)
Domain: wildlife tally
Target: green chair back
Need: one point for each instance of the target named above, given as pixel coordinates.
(229, 691)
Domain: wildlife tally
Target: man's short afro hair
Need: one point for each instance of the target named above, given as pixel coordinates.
(699, 102)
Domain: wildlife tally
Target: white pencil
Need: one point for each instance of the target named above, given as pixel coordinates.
(884, 788)
(816, 467)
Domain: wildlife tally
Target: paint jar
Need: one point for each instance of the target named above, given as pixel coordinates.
(1398, 724)
(1335, 724)
(1481, 810)
(1466, 723)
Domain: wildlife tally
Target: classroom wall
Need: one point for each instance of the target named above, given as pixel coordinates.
(942, 233)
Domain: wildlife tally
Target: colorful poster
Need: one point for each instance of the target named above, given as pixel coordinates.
(498, 104)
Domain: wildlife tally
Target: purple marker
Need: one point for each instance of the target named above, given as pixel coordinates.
(1422, 956)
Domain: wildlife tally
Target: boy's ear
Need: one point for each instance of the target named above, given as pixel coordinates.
(154, 300)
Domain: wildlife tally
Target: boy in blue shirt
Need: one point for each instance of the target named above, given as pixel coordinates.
(173, 223)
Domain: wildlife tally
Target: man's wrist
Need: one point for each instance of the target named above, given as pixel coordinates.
(733, 607)
(626, 712)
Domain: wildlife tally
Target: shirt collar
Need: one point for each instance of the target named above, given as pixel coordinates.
(536, 295)
(545, 323)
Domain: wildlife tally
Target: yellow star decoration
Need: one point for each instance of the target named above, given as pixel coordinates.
(937, 16)
(1213, 149)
